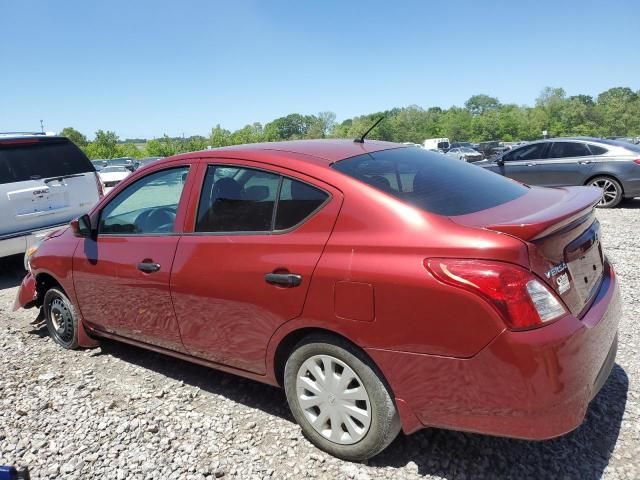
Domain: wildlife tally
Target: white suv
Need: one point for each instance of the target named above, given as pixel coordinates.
(45, 181)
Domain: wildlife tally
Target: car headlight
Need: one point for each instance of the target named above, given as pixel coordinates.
(29, 253)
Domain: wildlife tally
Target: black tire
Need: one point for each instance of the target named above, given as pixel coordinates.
(384, 419)
(612, 191)
(62, 320)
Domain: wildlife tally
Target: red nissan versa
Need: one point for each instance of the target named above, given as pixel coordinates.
(382, 286)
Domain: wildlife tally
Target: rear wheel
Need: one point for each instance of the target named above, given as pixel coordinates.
(612, 191)
(62, 321)
(339, 400)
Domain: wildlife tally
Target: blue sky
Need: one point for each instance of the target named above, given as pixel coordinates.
(144, 68)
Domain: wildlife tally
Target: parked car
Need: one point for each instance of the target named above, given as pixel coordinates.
(633, 140)
(113, 175)
(45, 181)
(146, 161)
(383, 287)
(607, 164)
(461, 145)
(127, 162)
(489, 149)
(440, 144)
(99, 164)
(466, 154)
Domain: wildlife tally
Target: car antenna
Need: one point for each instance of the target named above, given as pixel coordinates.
(361, 139)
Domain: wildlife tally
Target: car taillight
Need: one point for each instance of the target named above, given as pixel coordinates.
(520, 298)
(99, 185)
(637, 160)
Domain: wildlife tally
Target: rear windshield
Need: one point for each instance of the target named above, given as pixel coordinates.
(618, 143)
(41, 159)
(433, 182)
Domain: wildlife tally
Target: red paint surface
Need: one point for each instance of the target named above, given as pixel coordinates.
(448, 357)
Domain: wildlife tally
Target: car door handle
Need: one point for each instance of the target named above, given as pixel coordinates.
(584, 162)
(148, 267)
(531, 164)
(283, 279)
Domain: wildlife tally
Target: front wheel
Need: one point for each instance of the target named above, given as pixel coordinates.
(611, 191)
(339, 400)
(62, 320)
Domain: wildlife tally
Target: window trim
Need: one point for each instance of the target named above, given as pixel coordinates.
(138, 235)
(273, 231)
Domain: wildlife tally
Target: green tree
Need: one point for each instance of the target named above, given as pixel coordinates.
(75, 136)
(105, 145)
(219, 137)
(478, 104)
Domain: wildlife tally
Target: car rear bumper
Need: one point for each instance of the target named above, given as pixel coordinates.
(535, 384)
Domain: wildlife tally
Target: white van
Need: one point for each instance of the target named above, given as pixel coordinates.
(45, 181)
(441, 144)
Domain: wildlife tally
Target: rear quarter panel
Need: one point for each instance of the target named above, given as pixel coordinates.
(381, 242)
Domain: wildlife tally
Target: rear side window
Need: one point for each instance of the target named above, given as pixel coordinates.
(568, 150)
(250, 200)
(432, 182)
(596, 150)
(297, 201)
(41, 159)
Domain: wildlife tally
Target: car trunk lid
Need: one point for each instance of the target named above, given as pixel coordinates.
(562, 236)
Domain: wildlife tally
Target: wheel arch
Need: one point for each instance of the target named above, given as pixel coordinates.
(609, 175)
(287, 344)
(44, 282)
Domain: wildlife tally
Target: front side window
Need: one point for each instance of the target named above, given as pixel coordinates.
(568, 150)
(250, 200)
(534, 151)
(148, 206)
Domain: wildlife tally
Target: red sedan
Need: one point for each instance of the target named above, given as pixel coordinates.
(384, 287)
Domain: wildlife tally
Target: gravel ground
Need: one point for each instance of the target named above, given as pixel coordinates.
(117, 412)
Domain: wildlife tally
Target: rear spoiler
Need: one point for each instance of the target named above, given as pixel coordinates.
(573, 208)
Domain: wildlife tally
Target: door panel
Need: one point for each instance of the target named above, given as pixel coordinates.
(226, 308)
(524, 164)
(122, 276)
(117, 297)
(567, 163)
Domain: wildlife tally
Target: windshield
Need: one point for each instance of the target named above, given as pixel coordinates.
(432, 182)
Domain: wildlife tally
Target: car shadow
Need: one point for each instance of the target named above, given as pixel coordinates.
(630, 203)
(583, 453)
(11, 271)
(250, 393)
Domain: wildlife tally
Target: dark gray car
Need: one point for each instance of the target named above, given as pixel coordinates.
(611, 165)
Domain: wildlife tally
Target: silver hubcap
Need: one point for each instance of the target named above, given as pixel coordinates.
(61, 320)
(333, 399)
(610, 191)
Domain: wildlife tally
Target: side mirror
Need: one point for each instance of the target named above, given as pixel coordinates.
(499, 161)
(81, 226)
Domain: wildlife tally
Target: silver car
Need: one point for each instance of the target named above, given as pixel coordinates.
(611, 165)
(465, 153)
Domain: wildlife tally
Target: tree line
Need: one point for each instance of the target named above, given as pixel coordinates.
(614, 112)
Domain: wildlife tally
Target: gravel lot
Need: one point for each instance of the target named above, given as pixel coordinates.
(119, 412)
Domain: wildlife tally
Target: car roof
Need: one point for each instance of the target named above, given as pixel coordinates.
(16, 137)
(319, 152)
